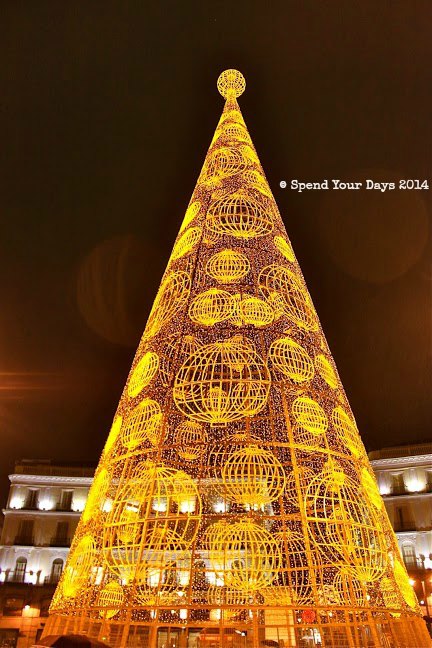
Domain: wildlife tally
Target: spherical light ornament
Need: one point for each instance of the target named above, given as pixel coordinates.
(286, 292)
(291, 359)
(175, 352)
(222, 382)
(192, 211)
(231, 83)
(186, 243)
(253, 476)
(240, 215)
(371, 488)
(254, 311)
(345, 529)
(211, 307)
(97, 495)
(190, 439)
(114, 434)
(244, 555)
(143, 374)
(347, 432)
(153, 521)
(172, 296)
(391, 595)
(284, 247)
(222, 163)
(326, 371)
(78, 566)
(292, 585)
(402, 581)
(110, 599)
(143, 424)
(349, 589)
(309, 415)
(228, 266)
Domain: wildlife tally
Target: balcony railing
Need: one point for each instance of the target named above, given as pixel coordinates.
(51, 580)
(15, 577)
(60, 541)
(25, 540)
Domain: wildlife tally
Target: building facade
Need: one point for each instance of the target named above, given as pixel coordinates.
(404, 476)
(43, 508)
(46, 499)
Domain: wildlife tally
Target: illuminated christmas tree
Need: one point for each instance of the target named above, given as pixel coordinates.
(234, 503)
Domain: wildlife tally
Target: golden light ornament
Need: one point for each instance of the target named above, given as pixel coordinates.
(347, 431)
(240, 215)
(292, 585)
(234, 502)
(283, 246)
(143, 424)
(172, 296)
(254, 311)
(190, 438)
(175, 351)
(287, 293)
(344, 527)
(391, 595)
(186, 243)
(110, 599)
(191, 213)
(371, 487)
(349, 588)
(231, 83)
(154, 519)
(309, 415)
(402, 581)
(228, 266)
(143, 373)
(222, 382)
(253, 476)
(244, 555)
(326, 371)
(114, 434)
(223, 163)
(291, 359)
(77, 571)
(211, 306)
(97, 495)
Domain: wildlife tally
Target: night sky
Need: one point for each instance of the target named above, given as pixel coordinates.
(106, 112)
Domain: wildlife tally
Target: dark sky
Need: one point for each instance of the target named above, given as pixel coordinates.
(106, 112)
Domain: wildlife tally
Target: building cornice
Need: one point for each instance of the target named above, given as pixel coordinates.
(406, 496)
(52, 512)
(49, 480)
(402, 462)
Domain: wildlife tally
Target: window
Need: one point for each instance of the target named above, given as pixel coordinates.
(408, 553)
(56, 570)
(32, 499)
(8, 638)
(25, 534)
(13, 607)
(20, 570)
(66, 500)
(398, 484)
(61, 538)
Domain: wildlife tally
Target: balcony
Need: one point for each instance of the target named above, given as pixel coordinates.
(51, 580)
(24, 540)
(15, 577)
(60, 541)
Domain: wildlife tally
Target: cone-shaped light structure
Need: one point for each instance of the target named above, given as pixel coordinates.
(234, 503)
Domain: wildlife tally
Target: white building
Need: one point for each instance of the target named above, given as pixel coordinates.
(44, 505)
(404, 476)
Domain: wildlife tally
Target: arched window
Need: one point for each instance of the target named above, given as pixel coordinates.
(409, 556)
(56, 570)
(20, 569)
